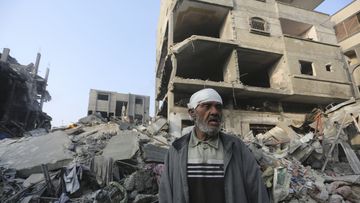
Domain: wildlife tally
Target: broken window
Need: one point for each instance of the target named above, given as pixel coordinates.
(258, 24)
(103, 97)
(90, 112)
(306, 68)
(329, 68)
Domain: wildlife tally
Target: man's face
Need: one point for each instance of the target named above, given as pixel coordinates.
(208, 117)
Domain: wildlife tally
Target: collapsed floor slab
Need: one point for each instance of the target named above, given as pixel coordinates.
(26, 155)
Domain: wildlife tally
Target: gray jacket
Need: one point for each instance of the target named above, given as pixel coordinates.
(243, 181)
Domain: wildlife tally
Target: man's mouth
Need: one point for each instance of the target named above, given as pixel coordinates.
(214, 121)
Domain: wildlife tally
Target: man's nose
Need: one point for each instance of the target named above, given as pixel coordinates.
(215, 110)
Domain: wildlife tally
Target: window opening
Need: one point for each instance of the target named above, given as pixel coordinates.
(257, 23)
(306, 68)
(103, 97)
(329, 68)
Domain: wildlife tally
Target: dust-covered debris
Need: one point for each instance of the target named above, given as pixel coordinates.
(119, 162)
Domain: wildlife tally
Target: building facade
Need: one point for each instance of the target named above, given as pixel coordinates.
(270, 60)
(113, 104)
(347, 29)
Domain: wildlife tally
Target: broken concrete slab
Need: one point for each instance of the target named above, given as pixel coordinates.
(27, 154)
(156, 126)
(153, 153)
(122, 146)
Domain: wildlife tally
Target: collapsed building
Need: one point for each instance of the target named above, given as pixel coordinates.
(270, 60)
(112, 104)
(23, 93)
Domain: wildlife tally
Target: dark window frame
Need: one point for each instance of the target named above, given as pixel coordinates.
(259, 26)
(102, 97)
(307, 68)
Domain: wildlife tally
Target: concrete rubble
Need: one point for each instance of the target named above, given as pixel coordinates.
(98, 161)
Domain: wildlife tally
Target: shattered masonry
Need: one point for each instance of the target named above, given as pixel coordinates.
(23, 93)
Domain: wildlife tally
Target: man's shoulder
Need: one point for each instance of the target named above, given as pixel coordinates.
(181, 141)
(230, 138)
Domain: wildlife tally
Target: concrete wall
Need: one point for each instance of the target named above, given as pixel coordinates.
(323, 82)
(321, 22)
(243, 11)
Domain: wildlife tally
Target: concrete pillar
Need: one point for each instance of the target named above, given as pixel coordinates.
(171, 30)
(37, 62)
(46, 79)
(5, 55)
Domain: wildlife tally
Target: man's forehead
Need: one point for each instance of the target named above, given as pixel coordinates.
(211, 102)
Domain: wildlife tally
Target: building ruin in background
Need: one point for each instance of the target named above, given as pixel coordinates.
(113, 104)
(22, 95)
(347, 29)
(270, 60)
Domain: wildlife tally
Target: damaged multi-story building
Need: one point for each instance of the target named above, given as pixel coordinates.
(347, 29)
(112, 104)
(22, 95)
(270, 60)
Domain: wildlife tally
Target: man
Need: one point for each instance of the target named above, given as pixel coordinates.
(209, 166)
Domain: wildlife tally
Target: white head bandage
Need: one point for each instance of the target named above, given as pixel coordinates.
(204, 95)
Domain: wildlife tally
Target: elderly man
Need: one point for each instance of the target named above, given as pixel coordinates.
(209, 166)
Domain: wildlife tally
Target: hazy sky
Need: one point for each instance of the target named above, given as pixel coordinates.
(106, 45)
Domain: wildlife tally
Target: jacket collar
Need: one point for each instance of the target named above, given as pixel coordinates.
(184, 141)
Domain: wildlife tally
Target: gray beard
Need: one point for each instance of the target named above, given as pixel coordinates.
(203, 127)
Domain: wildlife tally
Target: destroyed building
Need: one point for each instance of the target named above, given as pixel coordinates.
(270, 60)
(347, 29)
(23, 93)
(113, 104)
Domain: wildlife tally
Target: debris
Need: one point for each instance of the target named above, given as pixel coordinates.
(122, 146)
(27, 154)
(156, 126)
(107, 162)
(153, 153)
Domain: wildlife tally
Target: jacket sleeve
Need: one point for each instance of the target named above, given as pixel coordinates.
(165, 190)
(255, 186)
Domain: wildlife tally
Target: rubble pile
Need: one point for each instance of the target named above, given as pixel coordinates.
(315, 162)
(95, 160)
(89, 161)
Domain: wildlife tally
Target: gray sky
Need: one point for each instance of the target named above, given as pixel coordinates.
(106, 45)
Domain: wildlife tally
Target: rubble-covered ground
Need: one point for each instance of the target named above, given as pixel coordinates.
(95, 160)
